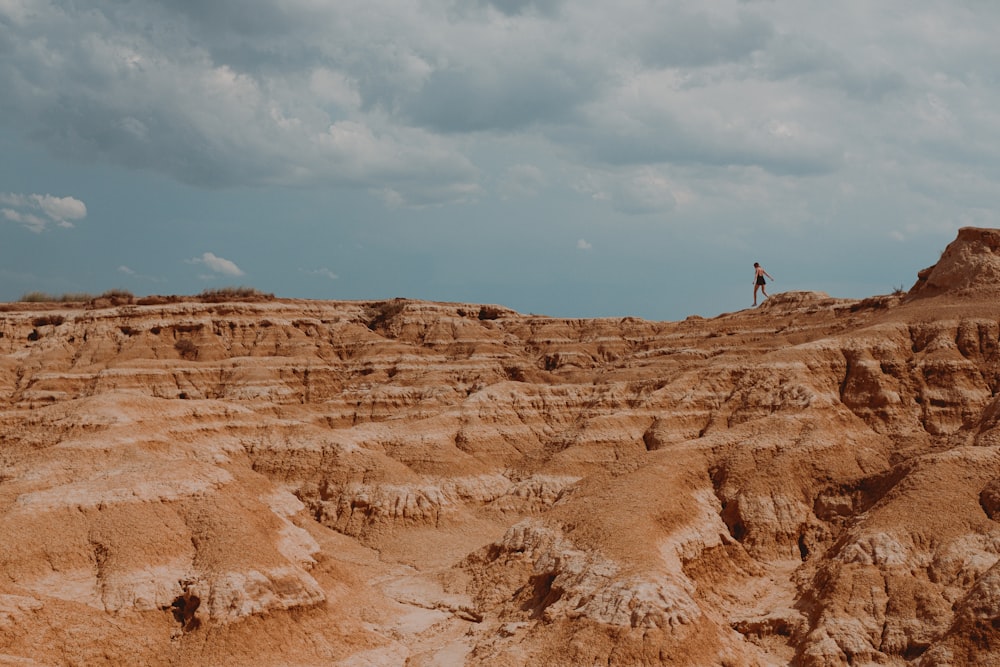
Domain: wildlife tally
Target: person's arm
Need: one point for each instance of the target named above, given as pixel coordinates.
(769, 275)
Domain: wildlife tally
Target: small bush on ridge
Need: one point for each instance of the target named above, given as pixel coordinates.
(218, 294)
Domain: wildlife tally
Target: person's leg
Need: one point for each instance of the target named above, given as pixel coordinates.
(755, 288)
(764, 290)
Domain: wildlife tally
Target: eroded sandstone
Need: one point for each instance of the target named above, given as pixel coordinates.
(813, 482)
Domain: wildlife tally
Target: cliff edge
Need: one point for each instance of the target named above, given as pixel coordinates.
(813, 482)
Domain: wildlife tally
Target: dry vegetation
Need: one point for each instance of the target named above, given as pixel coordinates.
(220, 294)
(119, 297)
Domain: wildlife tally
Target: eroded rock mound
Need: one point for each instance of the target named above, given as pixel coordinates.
(812, 482)
(972, 260)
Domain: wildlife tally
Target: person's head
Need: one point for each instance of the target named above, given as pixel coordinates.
(756, 265)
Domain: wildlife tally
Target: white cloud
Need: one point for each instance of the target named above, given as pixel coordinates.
(37, 212)
(61, 209)
(132, 273)
(32, 222)
(217, 265)
(583, 244)
(322, 273)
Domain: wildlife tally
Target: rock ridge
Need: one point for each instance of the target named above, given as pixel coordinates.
(812, 482)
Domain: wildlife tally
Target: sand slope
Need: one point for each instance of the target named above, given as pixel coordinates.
(812, 482)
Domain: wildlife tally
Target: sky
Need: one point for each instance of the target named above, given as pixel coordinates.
(572, 158)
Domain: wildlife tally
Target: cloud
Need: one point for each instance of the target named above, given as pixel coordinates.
(515, 7)
(499, 95)
(521, 180)
(216, 101)
(321, 273)
(32, 222)
(582, 244)
(217, 265)
(634, 190)
(384, 96)
(672, 36)
(420, 104)
(655, 118)
(816, 63)
(132, 273)
(37, 212)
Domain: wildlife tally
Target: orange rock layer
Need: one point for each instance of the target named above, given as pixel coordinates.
(813, 482)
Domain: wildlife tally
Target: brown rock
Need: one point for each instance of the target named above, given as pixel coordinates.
(813, 482)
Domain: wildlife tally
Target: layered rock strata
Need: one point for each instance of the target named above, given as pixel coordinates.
(813, 482)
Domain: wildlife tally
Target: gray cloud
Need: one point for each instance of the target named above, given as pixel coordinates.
(686, 146)
(817, 64)
(98, 88)
(248, 18)
(409, 101)
(634, 191)
(678, 37)
(514, 7)
(403, 137)
(500, 98)
(521, 180)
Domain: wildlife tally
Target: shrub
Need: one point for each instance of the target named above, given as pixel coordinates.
(38, 297)
(112, 297)
(381, 313)
(489, 313)
(44, 297)
(218, 294)
(187, 349)
(157, 300)
(118, 296)
(75, 297)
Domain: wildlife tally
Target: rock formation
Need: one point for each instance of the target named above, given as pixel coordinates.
(812, 482)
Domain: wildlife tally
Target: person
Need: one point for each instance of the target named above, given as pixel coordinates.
(758, 281)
